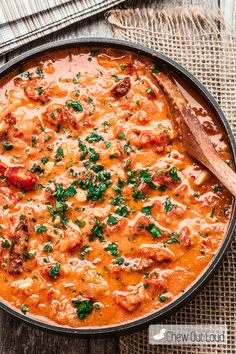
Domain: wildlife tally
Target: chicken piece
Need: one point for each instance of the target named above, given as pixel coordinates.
(51, 271)
(72, 240)
(156, 281)
(129, 301)
(157, 252)
(159, 142)
(95, 285)
(37, 90)
(120, 226)
(57, 114)
(134, 265)
(140, 226)
(184, 236)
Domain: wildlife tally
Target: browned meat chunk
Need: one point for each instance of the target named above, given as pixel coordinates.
(10, 119)
(122, 88)
(7, 125)
(18, 249)
(163, 178)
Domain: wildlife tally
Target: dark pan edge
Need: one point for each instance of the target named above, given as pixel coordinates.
(192, 291)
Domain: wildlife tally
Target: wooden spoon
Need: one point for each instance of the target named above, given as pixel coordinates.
(195, 140)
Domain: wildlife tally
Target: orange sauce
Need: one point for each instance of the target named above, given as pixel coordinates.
(104, 218)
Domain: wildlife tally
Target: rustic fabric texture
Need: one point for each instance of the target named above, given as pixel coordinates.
(22, 21)
(197, 39)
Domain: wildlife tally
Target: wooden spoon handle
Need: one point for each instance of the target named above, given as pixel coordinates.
(223, 172)
(195, 140)
(199, 146)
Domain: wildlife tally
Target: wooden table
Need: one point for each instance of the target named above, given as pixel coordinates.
(15, 336)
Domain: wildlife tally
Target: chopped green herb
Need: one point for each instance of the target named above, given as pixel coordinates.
(24, 309)
(75, 105)
(218, 188)
(48, 248)
(84, 250)
(94, 137)
(83, 149)
(112, 220)
(39, 71)
(84, 308)
(162, 298)
(122, 211)
(97, 231)
(6, 243)
(31, 255)
(213, 211)
(70, 191)
(7, 145)
(36, 168)
(40, 228)
(59, 155)
(121, 136)
(94, 156)
(90, 100)
(112, 248)
(107, 144)
(138, 195)
(54, 271)
(196, 194)
(117, 78)
(40, 90)
(174, 238)
(173, 174)
(45, 160)
(33, 141)
(154, 230)
(94, 52)
(118, 200)
(80, 223)
(145, 176)
(168, 206)
(119, 260)
(147, 210)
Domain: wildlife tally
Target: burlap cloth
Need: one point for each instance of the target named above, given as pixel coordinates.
(199, 40)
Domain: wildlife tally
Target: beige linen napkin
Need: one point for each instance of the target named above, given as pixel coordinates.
(22, 21)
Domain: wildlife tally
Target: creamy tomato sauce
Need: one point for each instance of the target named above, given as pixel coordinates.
(104, 218)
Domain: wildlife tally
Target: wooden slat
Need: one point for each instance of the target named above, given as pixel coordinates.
(228, 9)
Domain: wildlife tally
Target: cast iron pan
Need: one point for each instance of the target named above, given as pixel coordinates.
(191, 292)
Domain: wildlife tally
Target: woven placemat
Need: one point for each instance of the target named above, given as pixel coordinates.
(197, 39)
